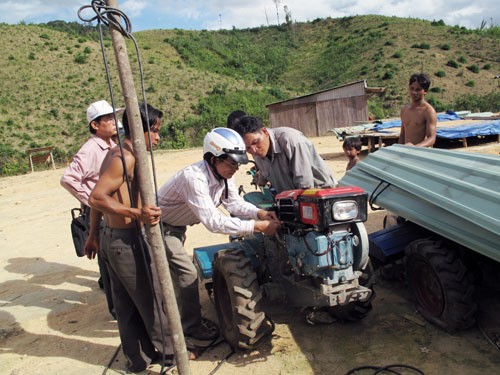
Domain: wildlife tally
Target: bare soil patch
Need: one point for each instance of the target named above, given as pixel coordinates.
(54, 320)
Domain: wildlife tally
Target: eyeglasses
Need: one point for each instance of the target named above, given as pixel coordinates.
(231, 164)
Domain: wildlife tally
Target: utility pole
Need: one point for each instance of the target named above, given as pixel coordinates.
(153, 233)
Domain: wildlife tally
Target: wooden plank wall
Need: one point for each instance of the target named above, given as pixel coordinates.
(298, 116)
(317, 118)
(341, 112)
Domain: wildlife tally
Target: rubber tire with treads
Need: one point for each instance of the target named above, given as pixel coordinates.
(440, 284)
(238, 300)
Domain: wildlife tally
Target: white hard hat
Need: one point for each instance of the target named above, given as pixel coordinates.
(100, 108)
(225, 141)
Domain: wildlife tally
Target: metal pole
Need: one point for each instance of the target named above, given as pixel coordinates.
(153, 233)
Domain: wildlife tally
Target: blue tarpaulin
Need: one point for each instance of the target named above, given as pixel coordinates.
(450, 116)
(462, 131)
(489, 128)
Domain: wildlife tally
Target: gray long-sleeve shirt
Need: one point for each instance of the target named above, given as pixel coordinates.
(294, 162)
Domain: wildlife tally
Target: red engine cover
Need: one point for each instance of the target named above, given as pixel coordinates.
(320, 193)
(314, 206)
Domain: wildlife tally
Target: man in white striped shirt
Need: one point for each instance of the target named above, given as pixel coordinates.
(192, 196)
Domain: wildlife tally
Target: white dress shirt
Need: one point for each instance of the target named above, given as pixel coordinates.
(192, 196)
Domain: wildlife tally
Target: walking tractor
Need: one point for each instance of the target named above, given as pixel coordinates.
(319, 261)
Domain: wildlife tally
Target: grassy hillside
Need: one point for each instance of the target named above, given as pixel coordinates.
(49, 76)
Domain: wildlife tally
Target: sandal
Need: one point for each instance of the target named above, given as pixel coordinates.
(206, 330)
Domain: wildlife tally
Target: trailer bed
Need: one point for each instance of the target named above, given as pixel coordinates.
(454, 194)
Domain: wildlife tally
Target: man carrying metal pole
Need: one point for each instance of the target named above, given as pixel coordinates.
(143, 177)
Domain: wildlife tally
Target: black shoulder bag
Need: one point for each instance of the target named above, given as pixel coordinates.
(79, 229)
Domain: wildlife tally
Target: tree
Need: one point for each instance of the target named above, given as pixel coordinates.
(277, 3)
(288, 15)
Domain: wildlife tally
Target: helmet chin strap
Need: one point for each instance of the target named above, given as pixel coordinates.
(218, 176)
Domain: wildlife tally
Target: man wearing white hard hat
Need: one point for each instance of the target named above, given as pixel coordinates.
(192, 196)
(81, 175)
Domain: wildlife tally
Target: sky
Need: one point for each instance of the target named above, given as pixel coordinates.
(226, 14)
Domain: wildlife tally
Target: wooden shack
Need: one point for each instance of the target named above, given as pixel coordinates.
(315, 114)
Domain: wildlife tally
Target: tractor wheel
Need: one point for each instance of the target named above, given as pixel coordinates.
(238, 300)
(355, 311)
(440, 284)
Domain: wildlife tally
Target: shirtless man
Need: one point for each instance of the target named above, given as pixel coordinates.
(125, 250)
(418, 119)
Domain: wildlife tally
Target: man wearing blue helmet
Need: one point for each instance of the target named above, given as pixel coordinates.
(192, 196)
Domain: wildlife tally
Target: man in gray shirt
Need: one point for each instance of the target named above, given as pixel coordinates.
(284, 156)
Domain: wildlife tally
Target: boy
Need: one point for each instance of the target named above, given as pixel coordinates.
(352, 148)
(418, 119)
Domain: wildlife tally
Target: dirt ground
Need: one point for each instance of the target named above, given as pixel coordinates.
(54, 320)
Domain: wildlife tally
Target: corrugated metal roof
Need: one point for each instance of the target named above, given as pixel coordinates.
(452, 193)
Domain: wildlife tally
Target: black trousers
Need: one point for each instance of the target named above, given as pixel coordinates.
(102, 268)
(141, 324)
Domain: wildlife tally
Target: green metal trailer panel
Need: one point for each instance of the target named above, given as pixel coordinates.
(454, 194)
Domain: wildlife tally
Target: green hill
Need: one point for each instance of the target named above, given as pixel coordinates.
(50, 73)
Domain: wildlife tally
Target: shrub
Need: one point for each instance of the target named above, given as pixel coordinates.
(486, 103)
(438, 23)
(440, 73)
(421, 46)
(473, 68)
(388, 75)
(487, 67)
(435, 89)
(445, 47)
(436, 104)
(376, 108)
(44, 36)
(81, 58)
(462, 60)
(452, 64)
(31, 56)
(397, 55)
(470, 84)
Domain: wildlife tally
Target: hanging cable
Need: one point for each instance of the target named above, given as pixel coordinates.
(390, 369)
(110, 363)
(375, 194)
